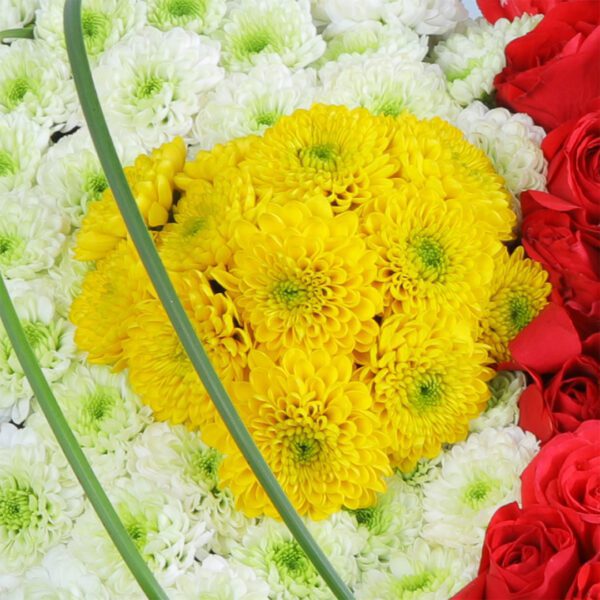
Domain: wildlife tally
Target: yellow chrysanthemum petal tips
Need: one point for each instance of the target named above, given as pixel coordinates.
(432, 154)
(159, 369)
(428, 378)
(302, 278)
(330, 151)
(519, 291)
(102, 312)
(316, 430)
(151, 180)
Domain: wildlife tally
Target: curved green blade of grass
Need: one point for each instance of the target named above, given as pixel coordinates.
(73, 452)
(164, 288)
(12, 34)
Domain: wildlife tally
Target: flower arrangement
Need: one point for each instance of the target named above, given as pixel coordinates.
(385, 236)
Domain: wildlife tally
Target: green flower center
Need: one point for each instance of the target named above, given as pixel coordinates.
(8, 245)
(35, 333)
(8, 165)
(427, 392)
(149, 87)
(290, 294)
(95, 184)
(16, 90)
(17, 508)
(185, 8)
(256, 41)
(320, 157)
(291, 561)
(415, 583)
(477, 492)
(430, 257)
(99, 405)
(305, 449)
(520, 312)
(138, 534)
(205, 464)
(194, 226)
(391, 107)
(267, 119)
(96, 28)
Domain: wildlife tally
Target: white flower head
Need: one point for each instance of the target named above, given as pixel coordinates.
(39, 499)
(388, 85)
(35, 81)
(503, 406)
(269, 31)
(151, 83)
(335, 11)
(347, 39)
(511, 141)
(22, 143)
(16, 13)
(50, 337)
(59, 575)
(32, 234)
(276, 557)
(429, 17)
(422, 571)
(425, 471)
(103, 22)
(158, 526)
(477, 477)
(245, 104)
(200, 16)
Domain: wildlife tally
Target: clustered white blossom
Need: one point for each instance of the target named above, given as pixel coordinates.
(211, 71)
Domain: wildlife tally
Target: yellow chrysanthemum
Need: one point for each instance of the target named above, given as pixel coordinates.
(302, 279)
(428, 258)
(519, 292)
(329, 151)
(433, 154)
(102, 311)
(159, 368)
(205, 216)
(428, 380)
(151, 180)
(316, 430)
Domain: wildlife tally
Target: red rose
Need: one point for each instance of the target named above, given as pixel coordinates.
(573, 154)
(528, 554)
(493, 10)
(586, 585)
(566, 475)
(552, 72)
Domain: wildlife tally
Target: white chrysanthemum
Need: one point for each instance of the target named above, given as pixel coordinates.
(477, 477)
(151, 83)
(392, 524)
(472, 58)
(178, 461)
(269, 31)
(22, 143)
(429, 17)
(16, 13)
(35, 81)
(71, 173)
(50, 337)
(32, 233)
(347, 40)
(39, 498)
(218, 579)
(103, 412)
(276, 557)
(200, 16)
(388, 85)
(245, 104)
(503, 406)
(334, 11)
(104, 23)
(423, 571)
(157, 524)
(59, 576)
(511, 141)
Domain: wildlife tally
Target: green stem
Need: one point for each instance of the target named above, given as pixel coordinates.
(23, 32)
(164, 288)
(73, 452)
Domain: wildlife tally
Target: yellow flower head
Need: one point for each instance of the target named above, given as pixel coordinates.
(434, 154)
(330, 151)
(302, 279)
(428, 380)
(427, 256)
(519, 292)
(151, 180)
(316, 430)
(159, 368)
(102, 311)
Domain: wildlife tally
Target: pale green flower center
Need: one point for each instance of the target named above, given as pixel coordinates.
(389, 107)
(96, 28)
(137, 526)
(95, 184)
(291, 561)
(149, 87)
(266, 119)
(8, 165)
(17, 508)
(419, 582)
(429, 256)
(10, 248)
(427, 391)
(185, 8)
(477, 493)
(520, 311)
(16, 90)
(36, 333)
(205, 464)
(320, 157)
(290, 294)
(256, 41)
(453, 75)
(350, 44)
(99, 405)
